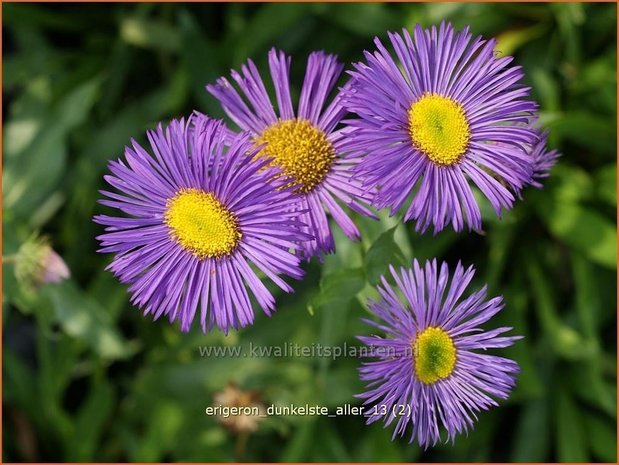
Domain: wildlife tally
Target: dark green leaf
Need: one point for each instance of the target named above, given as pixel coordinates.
(532, 440)
(339, 287)
(383, 253)
(589, 130)
(571, 440)
(89, 423)
(602, 436)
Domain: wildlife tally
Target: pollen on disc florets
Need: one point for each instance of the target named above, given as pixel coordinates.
(438, 128)
(300, 149)
(435, 355)
(201, 224)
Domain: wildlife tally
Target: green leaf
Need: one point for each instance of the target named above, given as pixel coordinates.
(203, 62)
(532, 436)
(366, 19)
(474, 446)
(32, 175)
(589, 384)
(547, 89)
(606, 184)
(37, 16)
(511, 40)
(566, 341)
(83, 318)
(585, 230)
(376, 442)
(332, 446)
(341, 384)
(570, 17)
(569, 184)
(500, 241)
(543, 296)
(150, 33)
(262, 31)
(383, 253)
(340, 286)
(104, 289)
(89, 423)
(19, 134)
(349, 254)
(428, 246)
(530, 384)
(162, 429)
(571, 440)
(57, 361)
(298, 447)
(33, 69)
(599, 73)
(595, 132)
(587, 300)
(602, 434)
(19, 387)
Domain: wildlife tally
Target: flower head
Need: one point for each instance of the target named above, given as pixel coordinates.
(204, 216)
(427, 372)
(446, 112)
(303, 143)
(543, 159)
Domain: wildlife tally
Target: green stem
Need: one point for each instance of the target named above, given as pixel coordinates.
(241, 444)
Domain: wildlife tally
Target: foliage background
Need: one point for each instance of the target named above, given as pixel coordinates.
(87, 378)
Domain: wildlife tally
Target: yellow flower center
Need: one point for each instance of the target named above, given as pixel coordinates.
(438, 127)
(435, 355)
(200, 223)
(302, 151)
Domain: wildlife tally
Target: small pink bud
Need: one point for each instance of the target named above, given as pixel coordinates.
(54, 268)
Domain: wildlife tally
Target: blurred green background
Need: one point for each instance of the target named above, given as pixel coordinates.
(87, 378)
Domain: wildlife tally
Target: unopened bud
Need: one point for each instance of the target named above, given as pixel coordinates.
(37, 263)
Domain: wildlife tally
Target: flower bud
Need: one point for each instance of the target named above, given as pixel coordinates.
(37, 263)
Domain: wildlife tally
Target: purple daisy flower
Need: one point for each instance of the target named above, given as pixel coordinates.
(427, 373)
(446, 112)
(543, 160)
(305, 144)
(201, 220)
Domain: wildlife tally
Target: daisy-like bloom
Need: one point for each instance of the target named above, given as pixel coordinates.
(203, 216)
(428, 372)
(543, 160)
(446, 112)
(306, 145)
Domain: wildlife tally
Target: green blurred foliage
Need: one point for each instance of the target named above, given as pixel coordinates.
(87, 378)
